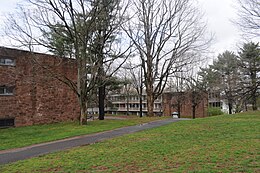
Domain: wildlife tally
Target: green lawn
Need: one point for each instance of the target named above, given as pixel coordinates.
(227, 143)
(24, 136)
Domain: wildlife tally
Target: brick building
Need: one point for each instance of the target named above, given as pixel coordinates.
(164, 105)
(29, 94)
(171, 101)
(123, 104)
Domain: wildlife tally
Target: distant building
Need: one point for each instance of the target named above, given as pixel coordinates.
(123, 104)
(164, 105)
(181, 102)
(216, 101)
(29, 94)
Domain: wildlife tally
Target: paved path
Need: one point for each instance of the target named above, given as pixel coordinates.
(8, 156)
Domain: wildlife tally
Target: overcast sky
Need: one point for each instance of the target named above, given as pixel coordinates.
(218, 13)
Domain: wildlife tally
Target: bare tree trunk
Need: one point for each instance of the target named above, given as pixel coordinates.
(127, 103)
(141, 93)
(150, 103)
(149, 86)
(245, 105)
(80, 96)
(141, 104)
(254, 91)
(179, 109)
(101, 101)
(83, 110)
(194, 104)
(101, 88)
(254, 103)
(193, 111)
(230, 107)
(81, 88)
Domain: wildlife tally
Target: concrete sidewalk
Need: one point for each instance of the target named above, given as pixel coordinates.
(13, 155)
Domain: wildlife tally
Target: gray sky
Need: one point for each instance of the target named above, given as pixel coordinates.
(218, 13)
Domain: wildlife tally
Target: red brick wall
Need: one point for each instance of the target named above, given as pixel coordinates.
(8, 104)
(170, 104)
(38, 97)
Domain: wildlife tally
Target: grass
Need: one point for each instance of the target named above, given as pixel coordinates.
(226, 143)
(25, 136)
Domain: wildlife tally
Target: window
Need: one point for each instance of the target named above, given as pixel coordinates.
(7, 61)
(5, 90)
(8, 122)
(215, 104)
(214, 95)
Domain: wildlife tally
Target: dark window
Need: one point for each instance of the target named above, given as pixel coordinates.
(6, 90)
(7, 122)
(215, 104)
(7, 61)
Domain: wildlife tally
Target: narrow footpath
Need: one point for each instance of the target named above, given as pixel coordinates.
(13, 155)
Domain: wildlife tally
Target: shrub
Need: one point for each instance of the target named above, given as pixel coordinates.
(213, 111)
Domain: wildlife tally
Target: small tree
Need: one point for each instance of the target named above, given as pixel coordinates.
(135, 80)
(197, 92)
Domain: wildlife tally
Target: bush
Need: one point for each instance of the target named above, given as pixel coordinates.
(213, 111)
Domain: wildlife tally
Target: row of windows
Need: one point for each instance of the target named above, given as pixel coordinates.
(130, 98)
(157, 106)
(123, 98)
(215, 104)
(214, 95)
(7, 61)
(6, 90)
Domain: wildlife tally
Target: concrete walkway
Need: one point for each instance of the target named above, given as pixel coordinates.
(13, 155)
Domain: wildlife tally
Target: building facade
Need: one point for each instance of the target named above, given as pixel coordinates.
(183, 102)
(164, 105)
(130, 104)
(29, 94)
(216, 100)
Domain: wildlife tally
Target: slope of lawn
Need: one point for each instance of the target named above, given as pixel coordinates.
(228, 143)
(24, 136)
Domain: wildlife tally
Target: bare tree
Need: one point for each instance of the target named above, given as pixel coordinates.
(249, 17)
(166, 33)
(107, 25)
(196, 91)
(136, 77)
(78, 22)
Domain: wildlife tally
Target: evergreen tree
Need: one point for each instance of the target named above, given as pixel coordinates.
(249, 63)
(223, 77)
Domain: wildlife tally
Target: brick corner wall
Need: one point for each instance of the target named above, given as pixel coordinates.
(38, 97)
(171, 100)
